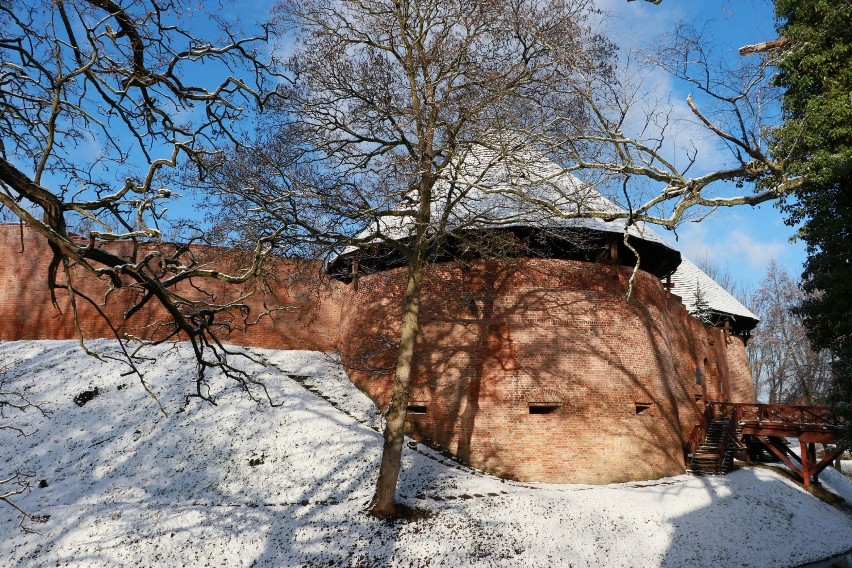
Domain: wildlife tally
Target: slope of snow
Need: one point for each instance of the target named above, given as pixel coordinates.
(128, 486)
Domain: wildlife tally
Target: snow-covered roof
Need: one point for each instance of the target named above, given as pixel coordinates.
(487, 190)
(695, 287)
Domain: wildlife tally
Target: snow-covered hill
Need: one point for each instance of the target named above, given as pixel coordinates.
(246, 484)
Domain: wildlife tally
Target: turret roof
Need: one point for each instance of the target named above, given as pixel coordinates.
(489, 191)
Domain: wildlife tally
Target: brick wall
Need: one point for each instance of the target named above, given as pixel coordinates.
(611, 384)
(618, 378)
(294, 308)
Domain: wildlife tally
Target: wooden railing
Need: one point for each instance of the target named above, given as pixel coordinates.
(786, 413)
(728, 435)
(738, 413)
(790, 414)
(699, 431)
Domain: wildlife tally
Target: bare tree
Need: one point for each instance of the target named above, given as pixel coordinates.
(412, 123)
(783, 365)
(723, 276)
(393, 102)
(727, 127)
(100, 100)
(13, 403)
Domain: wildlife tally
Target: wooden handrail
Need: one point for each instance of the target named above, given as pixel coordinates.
(728, 433)
(699, 431)
(736, 413)
(691, 445)
(791, 414)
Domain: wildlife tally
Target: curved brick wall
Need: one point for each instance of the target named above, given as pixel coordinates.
(497, 338)
(302, 310)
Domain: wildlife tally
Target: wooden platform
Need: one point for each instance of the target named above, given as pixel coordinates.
(746, 430)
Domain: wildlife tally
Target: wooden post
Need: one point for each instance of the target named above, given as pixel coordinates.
(805, 450)
(782, 452)
(355, 271)
(613, 253)
(824, 463)
(814, 463)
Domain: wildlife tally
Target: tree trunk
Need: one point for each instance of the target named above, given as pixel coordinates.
(383, 505)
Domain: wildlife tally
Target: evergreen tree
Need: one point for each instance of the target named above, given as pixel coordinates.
(816, 143)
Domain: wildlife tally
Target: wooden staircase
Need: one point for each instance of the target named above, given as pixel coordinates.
(757, 431)
(715, 453)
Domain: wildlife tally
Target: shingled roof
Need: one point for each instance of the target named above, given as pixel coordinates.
(489, 191)
(706, 299)
(523, 193)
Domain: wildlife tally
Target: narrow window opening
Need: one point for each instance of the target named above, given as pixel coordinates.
(642, 407)
(697, 376)
(544, 407)
(697, 397)
(473, 308)
(417, 409)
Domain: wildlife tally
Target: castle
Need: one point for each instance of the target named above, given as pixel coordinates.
(531, 367)
(533, 364)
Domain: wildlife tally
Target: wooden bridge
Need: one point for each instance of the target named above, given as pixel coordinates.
(748, 431)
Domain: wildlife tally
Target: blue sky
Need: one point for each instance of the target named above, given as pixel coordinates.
(742, 239)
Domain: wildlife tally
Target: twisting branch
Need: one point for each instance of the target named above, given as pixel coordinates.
(13, 403)
(14, 486)
(89, 92)
(623, 138)
(775, 44)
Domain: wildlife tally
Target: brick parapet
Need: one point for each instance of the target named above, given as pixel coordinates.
(294, 307)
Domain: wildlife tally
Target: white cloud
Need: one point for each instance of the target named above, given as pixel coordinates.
(757, 253)
(741, 243)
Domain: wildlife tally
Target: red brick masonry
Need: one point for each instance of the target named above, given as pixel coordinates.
(533, 370)
(296, 308)
(540, 370)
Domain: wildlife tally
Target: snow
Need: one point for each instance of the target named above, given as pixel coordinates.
(128, 486)
(688, 279)
(506, 191)
(485, 176)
